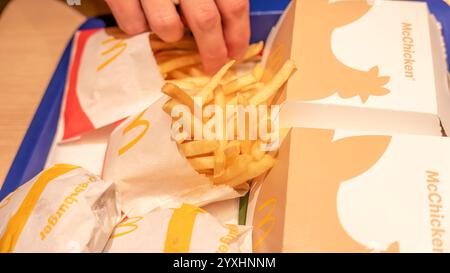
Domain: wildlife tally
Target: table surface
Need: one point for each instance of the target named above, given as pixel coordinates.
(33, 35)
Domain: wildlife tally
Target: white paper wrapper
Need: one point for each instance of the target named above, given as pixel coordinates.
(63, 209)
(226, 212)
(111, 76)
(87, 152)
(149, 170)
(185, 229)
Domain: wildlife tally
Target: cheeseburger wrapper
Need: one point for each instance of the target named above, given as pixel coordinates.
(63, 209)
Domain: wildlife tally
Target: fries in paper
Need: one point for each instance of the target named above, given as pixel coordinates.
(224, 161)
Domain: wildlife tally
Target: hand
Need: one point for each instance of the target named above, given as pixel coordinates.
(221, 27)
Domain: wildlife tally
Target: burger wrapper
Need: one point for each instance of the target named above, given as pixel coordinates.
(63, 209)
(187, 229)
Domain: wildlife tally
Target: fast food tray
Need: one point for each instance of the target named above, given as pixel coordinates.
(34, 149)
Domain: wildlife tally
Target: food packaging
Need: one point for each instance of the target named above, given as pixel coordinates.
(149, 170)
(111, 76)
(187, 229)
(369, 66)
(348, 191)
(63, 209)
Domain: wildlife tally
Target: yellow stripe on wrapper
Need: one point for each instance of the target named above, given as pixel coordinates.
(19, 219)
(179, 231)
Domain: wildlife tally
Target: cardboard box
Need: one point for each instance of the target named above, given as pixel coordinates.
(344, 191)
(377, 67)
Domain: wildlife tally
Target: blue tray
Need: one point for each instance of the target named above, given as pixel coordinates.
(441, 11)
(32, 154)
(33, 151)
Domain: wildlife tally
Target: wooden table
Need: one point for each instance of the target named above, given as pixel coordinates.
(33, 35)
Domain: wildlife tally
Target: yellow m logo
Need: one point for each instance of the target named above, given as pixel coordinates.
(267, 222)
(137, 122)
(127, 226)
(116, 49)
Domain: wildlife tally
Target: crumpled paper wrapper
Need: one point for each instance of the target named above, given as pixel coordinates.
(187, 229)
(149, 170)
(111, 76)
(63, 209)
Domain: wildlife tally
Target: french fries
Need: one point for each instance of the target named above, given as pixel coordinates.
(199, 147)
(179, 62)
(232, 149)
(232, 162)
(275, 84)
(202, 163)
(169, 105)
(252, 170)
(239, 83)
(239, 166)
(178, 94)
(220, 160)
(196, 72)
(253, 51)
(256, 151)
(207, 92)
(186, 43)
(177, 74)
(183, 84)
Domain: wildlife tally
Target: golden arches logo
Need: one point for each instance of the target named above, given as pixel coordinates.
(117, 48)
(267, 222)
(127, 226)
(137, 122)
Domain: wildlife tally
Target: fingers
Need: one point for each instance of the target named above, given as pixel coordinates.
(129, 16)
(135, 16)
(221, 27)
(236, 25)
(204, 20)
(163, 19)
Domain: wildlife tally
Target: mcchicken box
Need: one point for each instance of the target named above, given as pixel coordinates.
(361, 66)
(343, 191)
